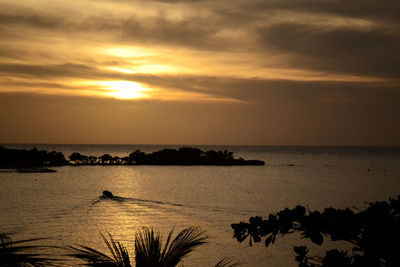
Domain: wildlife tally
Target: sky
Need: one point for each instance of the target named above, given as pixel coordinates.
(229, 72)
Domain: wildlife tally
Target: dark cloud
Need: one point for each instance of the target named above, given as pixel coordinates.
(194, 32)
(8, 52)
(27, 18)
(14, 15)
(46, 71)
(267, 90)
(199, 33)
(385, 11)
(370, 52)
(365, 51)
(38, 85)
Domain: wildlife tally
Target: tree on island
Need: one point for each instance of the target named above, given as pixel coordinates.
(373, 233)
(137, 157)
(92, 160)
(14, 158)
(105, 159)
(33, 158)
(78, 158)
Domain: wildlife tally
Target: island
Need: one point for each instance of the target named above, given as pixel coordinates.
(33, 160)
(39, 160)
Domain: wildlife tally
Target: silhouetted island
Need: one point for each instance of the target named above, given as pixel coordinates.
(32, 160)
(35, 160)
(181, 156)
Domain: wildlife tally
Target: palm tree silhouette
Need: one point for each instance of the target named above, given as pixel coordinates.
(23, 253)
(149, 250)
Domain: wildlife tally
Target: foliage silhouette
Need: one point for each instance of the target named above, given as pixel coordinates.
(77, 157)
(34, 159)
(106, 158)
(374, 233)
(149, 250)
(181, 156)
(188, 156)
(22, 254)
(23, 158)
(91, 257)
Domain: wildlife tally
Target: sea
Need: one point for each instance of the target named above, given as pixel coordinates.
(65, 206)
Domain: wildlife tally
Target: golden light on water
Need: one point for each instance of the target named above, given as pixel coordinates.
(125, 90)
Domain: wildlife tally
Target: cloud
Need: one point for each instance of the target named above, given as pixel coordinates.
(28, 18)
(375, 10)
(242, 90)
(263, 32)
(47, 71)
(197, 32)
(370, 52)
(299, 39)
(244, 71)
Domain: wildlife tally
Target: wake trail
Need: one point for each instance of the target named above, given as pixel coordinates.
(166, 203)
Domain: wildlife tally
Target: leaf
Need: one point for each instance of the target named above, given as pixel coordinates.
(268, 241)
(317, 238)
(92, 257)
(226, 262)
(301, 250)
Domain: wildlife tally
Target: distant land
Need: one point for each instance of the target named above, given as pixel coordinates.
(30, 160)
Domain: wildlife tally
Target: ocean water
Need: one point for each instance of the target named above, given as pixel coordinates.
(65, 206)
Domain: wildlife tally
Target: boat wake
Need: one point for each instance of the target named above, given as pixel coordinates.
(108, 196)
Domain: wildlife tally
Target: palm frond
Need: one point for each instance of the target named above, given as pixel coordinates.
(117, 250)
(149, 251)
(19, 253)
(91, 257)
(226, 262)
(147, 248)
(184, 243)
(5, 239)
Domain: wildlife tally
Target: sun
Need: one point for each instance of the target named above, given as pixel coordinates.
(125, 90)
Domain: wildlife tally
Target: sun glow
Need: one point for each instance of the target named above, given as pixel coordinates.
(118, 69)
(125, 90)
(128, 52)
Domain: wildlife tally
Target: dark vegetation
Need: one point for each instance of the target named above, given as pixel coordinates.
(23, 253)
(373, 233)
(149, 251)
(36, 160)
(30, 159)
(181, 156)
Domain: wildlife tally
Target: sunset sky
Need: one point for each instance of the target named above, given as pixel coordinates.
(250, 72)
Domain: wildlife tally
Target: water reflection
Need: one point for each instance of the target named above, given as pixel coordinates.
(66, 205)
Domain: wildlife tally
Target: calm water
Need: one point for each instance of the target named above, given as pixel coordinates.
(64, 205)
